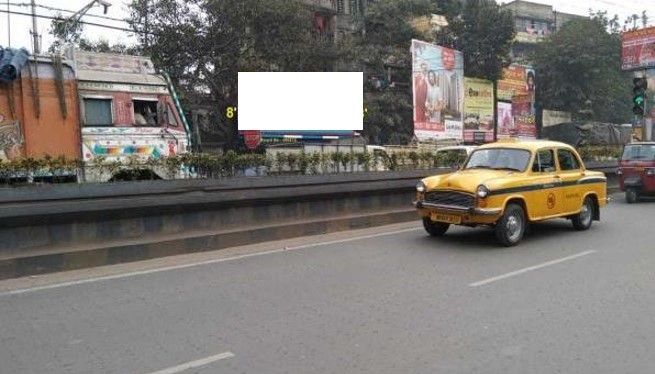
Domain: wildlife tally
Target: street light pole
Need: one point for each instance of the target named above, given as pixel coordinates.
(8, 25)
(35, 30)
(72, 21)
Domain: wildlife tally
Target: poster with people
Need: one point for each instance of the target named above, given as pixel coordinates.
(524, 117)
(517, 80)
(478, 110)
(506, 127)
(438, 89)
(517, 90)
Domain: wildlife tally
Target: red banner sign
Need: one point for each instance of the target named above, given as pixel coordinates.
(638, 49)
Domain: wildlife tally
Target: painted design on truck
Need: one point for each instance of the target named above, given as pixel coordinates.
(11, 139)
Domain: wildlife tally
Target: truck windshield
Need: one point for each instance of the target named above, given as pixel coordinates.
(638, 152)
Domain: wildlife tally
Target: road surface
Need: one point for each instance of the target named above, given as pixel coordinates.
(382, 300)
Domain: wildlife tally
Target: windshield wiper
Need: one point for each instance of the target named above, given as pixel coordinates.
(479, 167)
(506, 168)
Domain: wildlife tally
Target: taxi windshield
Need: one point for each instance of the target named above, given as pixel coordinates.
(499, 159)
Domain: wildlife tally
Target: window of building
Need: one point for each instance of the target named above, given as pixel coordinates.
(519, 25)
(98, 112)
(145, 112)
(341, 6)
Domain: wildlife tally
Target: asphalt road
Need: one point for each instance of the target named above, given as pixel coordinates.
(383, 300)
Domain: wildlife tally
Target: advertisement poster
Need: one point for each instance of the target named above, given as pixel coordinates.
(438, 90)
(638, 49)
(517, 80)
(524, 117)
(478, 110)
(505, 121)
(649, 116)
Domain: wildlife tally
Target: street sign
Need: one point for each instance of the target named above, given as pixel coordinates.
(252, 138)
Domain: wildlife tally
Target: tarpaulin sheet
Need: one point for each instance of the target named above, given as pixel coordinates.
(588, 133)
(11, 63)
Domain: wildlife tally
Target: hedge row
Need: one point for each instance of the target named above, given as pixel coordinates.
(229, 164)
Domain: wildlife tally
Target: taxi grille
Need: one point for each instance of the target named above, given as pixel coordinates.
(450, 198)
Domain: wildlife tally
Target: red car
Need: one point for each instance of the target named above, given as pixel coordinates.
(637, 170)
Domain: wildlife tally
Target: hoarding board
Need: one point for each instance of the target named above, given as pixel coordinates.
(478, 110)
(524, 117)
(506, 126)
(517, 80)
(438, 91)
(638, 49)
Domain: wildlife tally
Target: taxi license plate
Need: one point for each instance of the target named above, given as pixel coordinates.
(447, 218)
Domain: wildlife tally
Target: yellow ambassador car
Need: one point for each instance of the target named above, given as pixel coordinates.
(510, 183)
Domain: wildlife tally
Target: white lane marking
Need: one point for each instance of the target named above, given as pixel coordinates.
(208, 262)
(535, 267)
(195, 364)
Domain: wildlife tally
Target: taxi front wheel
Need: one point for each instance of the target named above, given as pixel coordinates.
(511, 226)
(582, 220)
(435, 228)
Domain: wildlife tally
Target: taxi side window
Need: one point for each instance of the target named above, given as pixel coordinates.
(567, 160)
(544, 162)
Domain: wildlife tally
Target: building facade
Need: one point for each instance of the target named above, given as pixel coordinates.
(333, 19)
(533, 22)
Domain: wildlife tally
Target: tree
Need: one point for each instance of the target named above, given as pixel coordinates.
(203, 44)
(579, 69)
(64, 32)
(381, 48)
(484, 33)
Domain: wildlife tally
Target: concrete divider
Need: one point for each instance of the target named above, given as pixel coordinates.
(62, 227)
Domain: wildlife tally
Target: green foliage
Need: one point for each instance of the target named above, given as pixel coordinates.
(579, 72)
(381, 50)
(484, 32)
(203, 44)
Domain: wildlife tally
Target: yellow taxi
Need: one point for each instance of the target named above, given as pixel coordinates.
(510, 183)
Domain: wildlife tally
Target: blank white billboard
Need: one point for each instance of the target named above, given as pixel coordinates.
(305, 101)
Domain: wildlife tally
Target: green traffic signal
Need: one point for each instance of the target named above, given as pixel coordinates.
(639, 95)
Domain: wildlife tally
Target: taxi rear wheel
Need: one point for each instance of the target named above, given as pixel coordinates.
(511, 226)
(435, 228)
(583, 220)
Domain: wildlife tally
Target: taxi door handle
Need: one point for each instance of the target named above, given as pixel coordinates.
(558, 179)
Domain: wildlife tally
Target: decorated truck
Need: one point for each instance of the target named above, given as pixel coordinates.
(100, 109)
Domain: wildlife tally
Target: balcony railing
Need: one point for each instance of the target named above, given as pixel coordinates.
(323, 37)
(323, 4)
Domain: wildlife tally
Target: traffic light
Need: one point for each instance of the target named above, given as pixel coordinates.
(639, 95)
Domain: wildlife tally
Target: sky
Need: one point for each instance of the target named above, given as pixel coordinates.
(15, 30)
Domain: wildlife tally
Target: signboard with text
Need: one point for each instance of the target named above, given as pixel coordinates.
(524, 117)
(478, 110)
(638, 49)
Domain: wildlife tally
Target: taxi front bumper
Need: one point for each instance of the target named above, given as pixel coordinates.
(458, 209)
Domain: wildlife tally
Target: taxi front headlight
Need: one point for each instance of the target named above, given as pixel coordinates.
(482, 191)
(420, 187)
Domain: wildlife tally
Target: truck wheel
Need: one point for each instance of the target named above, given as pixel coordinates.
(511, 226)
(582, 221)
(631, 196)
(435, 228)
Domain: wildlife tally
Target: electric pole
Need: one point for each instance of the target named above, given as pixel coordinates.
(35, 30)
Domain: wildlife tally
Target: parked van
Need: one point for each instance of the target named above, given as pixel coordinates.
(637, 170)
